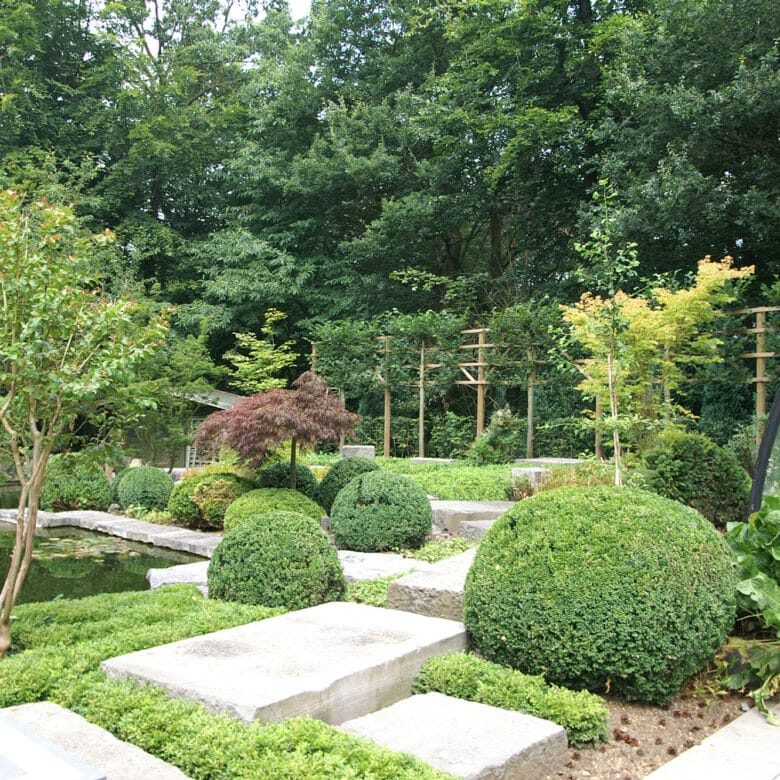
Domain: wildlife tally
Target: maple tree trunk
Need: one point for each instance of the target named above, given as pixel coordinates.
(293, 475)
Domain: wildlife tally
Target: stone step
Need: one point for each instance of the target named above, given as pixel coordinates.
(435, 592)
(448, 515)
(334, 662)
(474, 530)
(547, 462)
(44, 741)
(467, 739)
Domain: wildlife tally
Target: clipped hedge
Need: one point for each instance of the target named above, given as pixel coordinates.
(201, 500)
(602, 586)
(278, 559)
(277, 475)
(340, 474)
(584, 715)
(378, 511)
(144, 486)
(72, 481)
(692, 469)
(263, 500)
(64, 641)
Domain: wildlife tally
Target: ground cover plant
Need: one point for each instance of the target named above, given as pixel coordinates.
(57, 650)
(602, 588)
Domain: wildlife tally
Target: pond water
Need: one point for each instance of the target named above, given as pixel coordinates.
(72, 563)
(9, 496)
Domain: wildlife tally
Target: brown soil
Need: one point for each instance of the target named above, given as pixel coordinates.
(643, 737)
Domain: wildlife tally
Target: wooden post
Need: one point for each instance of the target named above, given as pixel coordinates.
(342, 398)
(386, 442)
(314, 356)
(481, 383)
(529, 435)
(421, 415)
(599, 434)
(761, 378)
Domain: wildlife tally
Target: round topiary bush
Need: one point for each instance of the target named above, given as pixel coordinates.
(277, 475)
(72, 481)
(340, 474)
(278, 559)
(692, 469)
(201, 500)
(378, 511)
(602, 588)
(144, 486)
(264, 500)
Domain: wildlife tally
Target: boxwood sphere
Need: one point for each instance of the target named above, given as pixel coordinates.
(277, 475)
(144, 486)
(602, 588)
(263, 500)
(200, 501)
(341, 473)
(278, 559)
(378, 511)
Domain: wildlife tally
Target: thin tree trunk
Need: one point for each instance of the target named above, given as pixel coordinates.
(293, 475)
(529, 436)
(613, 410)
(421, 413)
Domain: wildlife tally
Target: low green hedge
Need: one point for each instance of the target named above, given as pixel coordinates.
(144, 486)
(263, 500)
(339, 475)
(60, 645)
(72, 481)
(583, 715)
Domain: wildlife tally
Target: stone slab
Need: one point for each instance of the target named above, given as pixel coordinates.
(748, 748)
(358, 451)
(448, 515)
(549, 461)
(439, 461)
(474, 530)
(185, 573)
(436, 592)
(334, 662)
(534, 474)
(91, 745)
(467, 739)
(372, 566)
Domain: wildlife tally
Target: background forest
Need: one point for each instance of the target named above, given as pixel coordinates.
(406, 167)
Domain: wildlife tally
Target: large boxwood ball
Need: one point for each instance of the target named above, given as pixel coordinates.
(602, 588)
(378, 511)
(279, 559)
(200, 501)
(144, 486)
(341, 473)
(277, 475)
(263, 500)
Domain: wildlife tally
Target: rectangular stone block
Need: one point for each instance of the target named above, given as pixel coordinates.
(358, 451)
(467, 739)
(333, 662)
(448, 515)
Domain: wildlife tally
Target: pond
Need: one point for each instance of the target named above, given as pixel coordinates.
(9, 496)
(72, 563)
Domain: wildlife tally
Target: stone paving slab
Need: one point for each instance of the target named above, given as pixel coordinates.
(474, 530)
(748, 748)
(448, 515)
(334, 662)
(534, 474)
(48, 731)
(467, 739)
(549, 461)
(436, 591)
(185, 573)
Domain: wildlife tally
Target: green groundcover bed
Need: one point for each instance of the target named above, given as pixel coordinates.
(56, 652)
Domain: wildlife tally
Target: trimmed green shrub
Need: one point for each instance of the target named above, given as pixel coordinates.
(278, 559)
(277, 475)
(263, 500)
(602, 586)
(583, 715)
(692, 469)
(378, 511)
(144, 486)
(339, 475)
(200, 501)
(72, 481)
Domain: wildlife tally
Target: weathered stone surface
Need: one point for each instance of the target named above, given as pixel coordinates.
(474, 530)
(372, 566)
(358, 451)
(185, 573)
(333, 662)
(448, 515)
(436, 591)
(81, 746)
(534, 474)
(441, 461)
(467, 739)
(549, 461)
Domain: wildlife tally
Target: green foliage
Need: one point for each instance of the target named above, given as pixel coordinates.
(459, 481)
(371, 592)
(279, 559)
(586, 474)
(502, 442)
(378, 511)
(64, 641)
(339, 475)
(582, 714)
(144, 486)
(263, 500)
(201, 500)
(277, 475)
(436, 550)
(602, 588)
(692, 469)
(74, 481)
(451, 435)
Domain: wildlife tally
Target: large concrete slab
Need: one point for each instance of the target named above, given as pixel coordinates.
(333, 662)
(467, 739)
(748, 748)
(448, 515)
(474, 530)
(534, 474)
(45, 731)
(437, 591)
(546, 462)
(186, 573)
